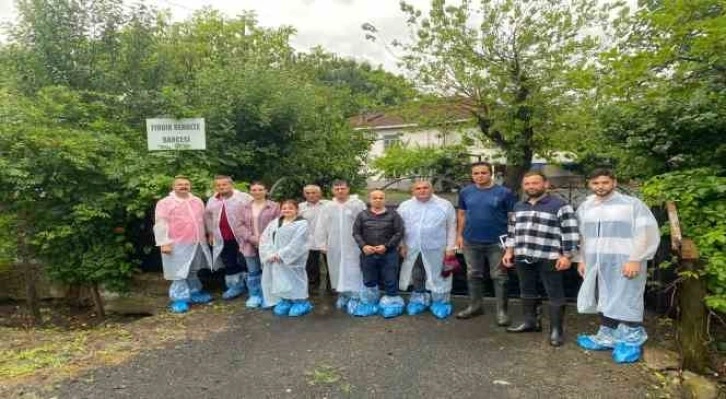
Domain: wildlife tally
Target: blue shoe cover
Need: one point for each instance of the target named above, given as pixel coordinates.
(300, 308)
(352, 306)
(179, 307)
(282, 308)
(414, 308)
(587, 343)
(254, 301)
(233, 292)
(365, 309)
(418, 302)
(342, 302)
(625, 353)
(441, 310)
(200, 297)
(391, 306)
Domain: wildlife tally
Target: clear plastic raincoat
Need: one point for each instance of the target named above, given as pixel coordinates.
(615, 231)
(334, 234)
(287, 278)
(180, 222)
(430, 230)
(310, 213)
(212, 215)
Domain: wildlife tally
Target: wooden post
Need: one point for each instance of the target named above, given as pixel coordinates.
(692, 314)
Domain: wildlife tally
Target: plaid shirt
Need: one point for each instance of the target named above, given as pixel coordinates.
(545, 230)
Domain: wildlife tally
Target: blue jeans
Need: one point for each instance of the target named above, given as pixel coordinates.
(377, 265)
(254, 275)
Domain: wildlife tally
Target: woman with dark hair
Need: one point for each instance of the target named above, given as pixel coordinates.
(253, 218)
(284, 254)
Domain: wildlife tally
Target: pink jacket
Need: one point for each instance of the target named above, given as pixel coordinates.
(270, 212)
(179, 220)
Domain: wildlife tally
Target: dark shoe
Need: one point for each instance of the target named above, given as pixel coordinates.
(500, 293)
(556, 332)
(476, 290)
(531, 319)
(470, 312)
(526, 326)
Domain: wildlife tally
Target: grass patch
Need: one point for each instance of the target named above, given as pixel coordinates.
(54, 352)
(323, 375)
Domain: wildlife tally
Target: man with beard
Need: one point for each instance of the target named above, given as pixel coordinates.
(542, 238)
(619, 236)
(179, 232)
(220, 216)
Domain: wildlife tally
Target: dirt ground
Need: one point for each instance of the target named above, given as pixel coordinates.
(224, 350)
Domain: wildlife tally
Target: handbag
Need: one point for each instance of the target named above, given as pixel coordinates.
(451, 266)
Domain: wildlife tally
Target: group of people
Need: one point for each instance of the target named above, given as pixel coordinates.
(275, 251)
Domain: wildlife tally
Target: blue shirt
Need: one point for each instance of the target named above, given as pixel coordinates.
(486, 212)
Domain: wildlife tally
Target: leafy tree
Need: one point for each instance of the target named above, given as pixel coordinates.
(662, 98)
(78, 184)
(361, 87)
(449, 164)
(56, 182)
(522, 64)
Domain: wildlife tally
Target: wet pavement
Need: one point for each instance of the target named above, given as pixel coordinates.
(329, 354)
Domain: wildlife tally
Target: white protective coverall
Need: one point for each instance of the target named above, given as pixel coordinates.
(334, 234)
(180, 222)
(212, 217)
(287, 278)
(615, 231)
(430, 230)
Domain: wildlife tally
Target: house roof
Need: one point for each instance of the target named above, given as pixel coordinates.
(415, 114)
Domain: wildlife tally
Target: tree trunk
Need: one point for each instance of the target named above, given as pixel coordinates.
(692, 314)
(30, 271)
(97, 301)
(516, 168)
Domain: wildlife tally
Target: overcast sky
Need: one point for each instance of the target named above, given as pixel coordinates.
(332, 24)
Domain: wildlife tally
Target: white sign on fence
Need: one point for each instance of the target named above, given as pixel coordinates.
(176, 134)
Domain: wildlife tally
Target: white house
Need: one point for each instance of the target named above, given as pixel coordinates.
(394, 129)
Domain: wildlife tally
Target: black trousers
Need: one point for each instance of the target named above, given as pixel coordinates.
(312, 267)
(552, 279)
(233, 262)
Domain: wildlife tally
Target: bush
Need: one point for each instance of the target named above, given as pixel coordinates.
(700, 196)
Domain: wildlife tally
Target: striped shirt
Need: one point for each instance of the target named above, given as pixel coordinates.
(545, 230)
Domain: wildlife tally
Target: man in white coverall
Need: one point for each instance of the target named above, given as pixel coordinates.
(430, 235)
(334, 236)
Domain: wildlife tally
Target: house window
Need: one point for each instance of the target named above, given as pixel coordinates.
(390, 140)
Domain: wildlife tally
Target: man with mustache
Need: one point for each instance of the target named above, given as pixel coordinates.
(542, 238)
(179, 232)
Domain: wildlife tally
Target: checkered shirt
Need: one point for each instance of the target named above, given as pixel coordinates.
(545, 230)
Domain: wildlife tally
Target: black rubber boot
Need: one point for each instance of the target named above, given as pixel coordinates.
(557, 314)
(500, 292)
(531, 320)
(475, 308)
